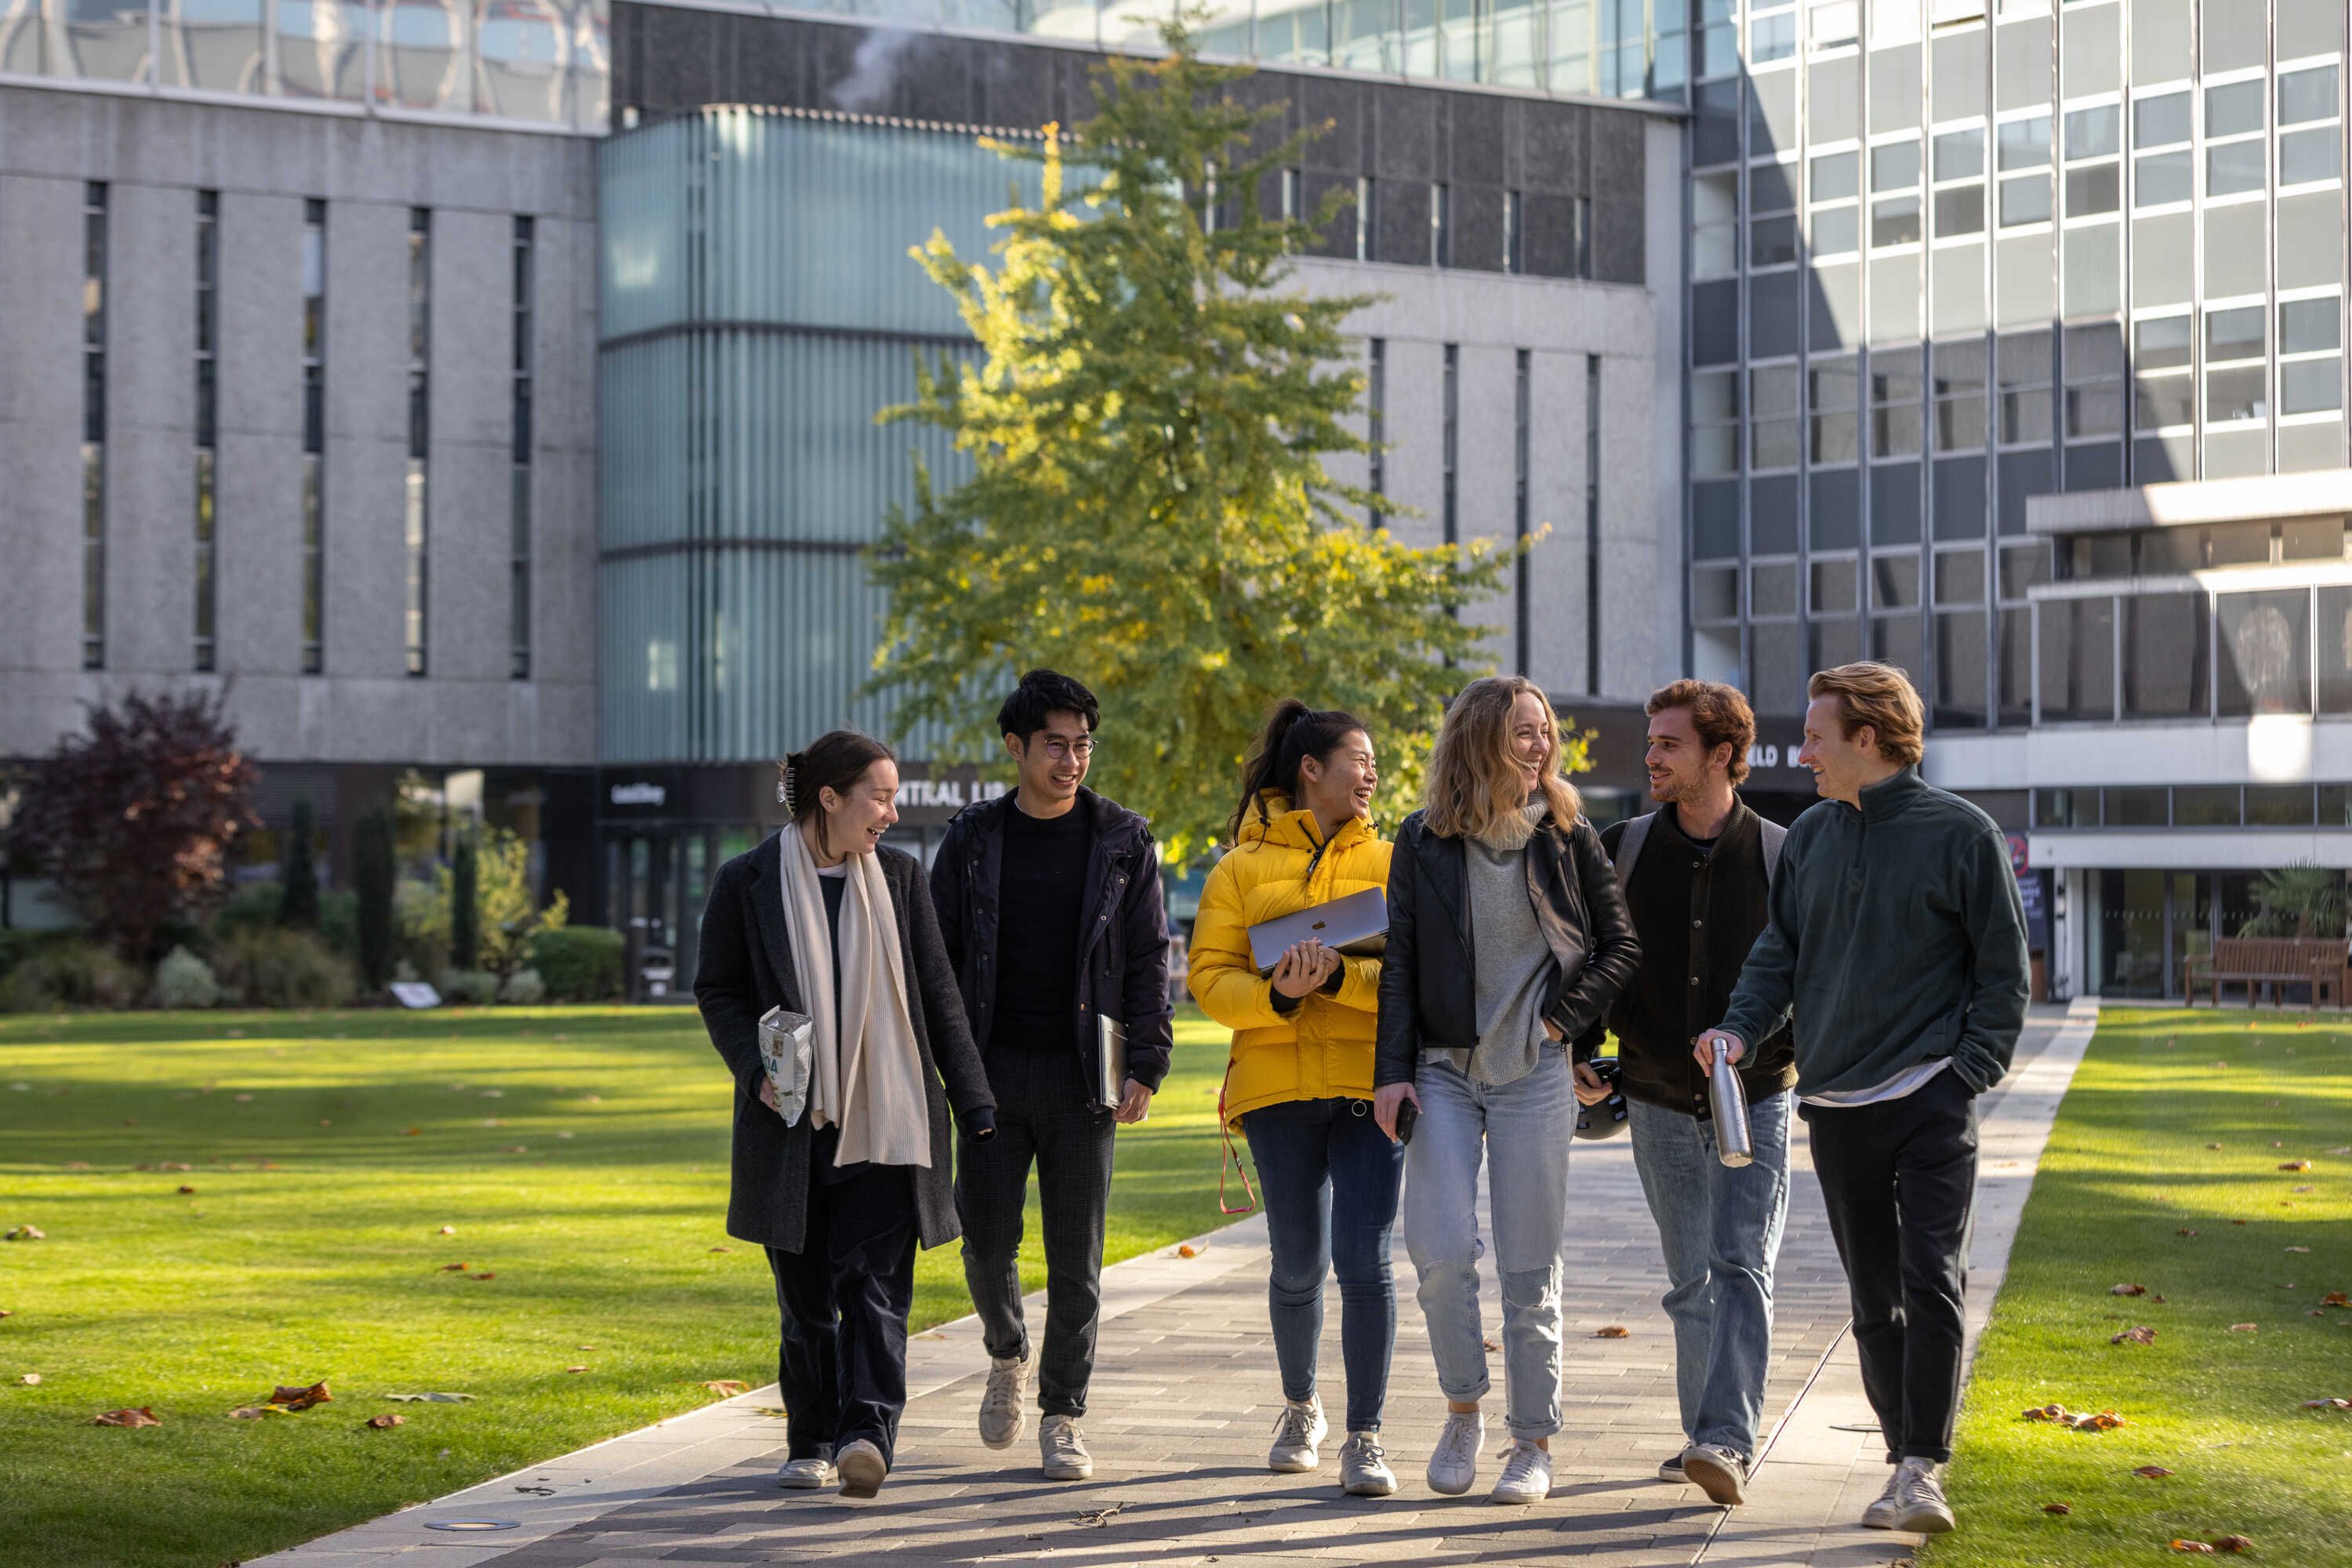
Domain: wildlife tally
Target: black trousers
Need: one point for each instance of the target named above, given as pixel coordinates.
(844, 1297)
(1043, 1113)
(1899, 1178)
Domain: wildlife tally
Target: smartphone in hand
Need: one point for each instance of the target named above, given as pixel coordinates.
(1408, 1112)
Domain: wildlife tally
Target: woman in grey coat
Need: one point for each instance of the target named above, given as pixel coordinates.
(821, 920)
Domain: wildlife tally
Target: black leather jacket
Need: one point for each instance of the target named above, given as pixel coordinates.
(1429, 986)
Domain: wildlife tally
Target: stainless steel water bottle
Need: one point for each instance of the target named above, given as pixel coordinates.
(1728, 1102)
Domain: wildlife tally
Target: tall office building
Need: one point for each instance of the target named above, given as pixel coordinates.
(2016, 359)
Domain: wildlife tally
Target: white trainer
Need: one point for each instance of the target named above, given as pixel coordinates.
(1363, 1468)
(862, 1468)
(1002, 1417)
(1919, 1499)
(1527, 1474)
(1882, 1514)
(1297, 1433)
(1453, 1462)
(1064, 1449)
(812, 1474)
(1672, 1470)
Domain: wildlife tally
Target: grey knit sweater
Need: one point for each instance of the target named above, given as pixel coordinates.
(1514, 964)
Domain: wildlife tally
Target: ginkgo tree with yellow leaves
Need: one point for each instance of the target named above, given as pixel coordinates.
(1147, 507)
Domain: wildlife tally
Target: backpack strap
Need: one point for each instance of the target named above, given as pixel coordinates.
(1774, 837)
(1629, 847)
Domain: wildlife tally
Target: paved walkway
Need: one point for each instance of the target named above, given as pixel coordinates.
(1185, 1396)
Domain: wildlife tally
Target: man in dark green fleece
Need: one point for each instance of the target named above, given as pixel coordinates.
(1898, 939)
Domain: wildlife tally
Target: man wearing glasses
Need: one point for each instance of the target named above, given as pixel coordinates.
(1049, 899)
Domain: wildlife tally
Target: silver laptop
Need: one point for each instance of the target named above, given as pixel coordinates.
(1358, 925)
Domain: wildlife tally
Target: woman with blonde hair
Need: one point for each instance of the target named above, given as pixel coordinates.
(1299, 1083)
(1508, 939)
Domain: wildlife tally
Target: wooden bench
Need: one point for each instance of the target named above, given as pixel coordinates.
(2276, 960)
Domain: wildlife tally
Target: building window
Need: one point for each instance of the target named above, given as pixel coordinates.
(1833, 394)
(1524, 632)
(2236, 148)
(1580, 214)
(2022, 362)
(1450, 439)
(2160, 152)
(1593, 524)
(93, 426)
(314, 436)
(1376, 413)
(204, 653)
(1513, 232)
(1894, 395)
(2095, 380)
(2313, 152)
(415, 531)
(1771, 30)
(1834, 221)
(1773, 420)
(2264, 642)
(1365, 229)
(1714, 423)
(520, 558)
(1441, 225)
(1772, 214)
(2163, 367)
(1294, 208)
(2022, 156)
(1894, 194)
(2236, 345)
(2093, 160)
(1715, 225)
(1957, 171)
(1960, 393)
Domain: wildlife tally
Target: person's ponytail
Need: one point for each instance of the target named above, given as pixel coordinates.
(1292, 732)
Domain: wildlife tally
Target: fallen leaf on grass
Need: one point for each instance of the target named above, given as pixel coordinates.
(2057, 1507)
(2143, 1335)
(2184, 1230)
(2296, 1166)
(575, 1369)
(250, 1413)
(448, 1230)
(515, 1149)
(456, 1268)
(2212, 1145)
(30, 1379)
(2328, 1404)
(7, 1312)
(485, 1274)
(2063, 1416)
(2191, 1546)
(382, 1422)
(2305, 1189)
(431, 1398)
(412, 1131)
(186, 1191)
(144, 1416)
(2126, 1290)
(2243, 1328)
(2151, 1472)
(1613, 1332)
(2298, 1250)
(722, 1249)
(294, 1396)
(28, 1233)
(2232, 1543)
(2333, 1298)
(728, 1387)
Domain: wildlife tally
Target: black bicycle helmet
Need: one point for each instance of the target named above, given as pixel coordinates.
(1606, 1119)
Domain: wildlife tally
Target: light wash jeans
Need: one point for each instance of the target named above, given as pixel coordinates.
(1521, 1130)
(1720, 1231)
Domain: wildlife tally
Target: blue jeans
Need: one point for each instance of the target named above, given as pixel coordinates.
(1720, 1231)
(1521, 1130)
(1329, 1178)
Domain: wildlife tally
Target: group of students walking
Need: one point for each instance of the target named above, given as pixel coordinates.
(1865, 969)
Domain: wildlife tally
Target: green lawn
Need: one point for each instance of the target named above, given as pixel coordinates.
(2131, 1172)
(579, 1155)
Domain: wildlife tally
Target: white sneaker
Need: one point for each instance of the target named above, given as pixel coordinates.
(1527, 1474)
(1882, 1514)
(1672, 1470)
(1064, 1448)
(1453, 1462)
(1717, 1471)
(812, 1474)
(1002, 1417)
(1363, 1468)
(1919, 1499)
(861, 1470)
(1299, 1430)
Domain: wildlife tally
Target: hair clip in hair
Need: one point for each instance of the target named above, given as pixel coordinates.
(783, 795)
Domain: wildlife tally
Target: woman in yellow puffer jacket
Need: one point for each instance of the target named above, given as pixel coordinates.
(1299, 1082)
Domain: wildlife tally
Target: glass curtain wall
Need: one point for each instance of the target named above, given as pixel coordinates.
(544, 61)
(1948, 255)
